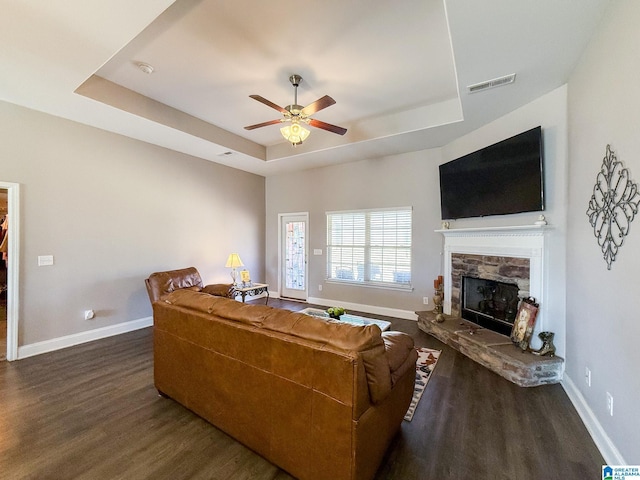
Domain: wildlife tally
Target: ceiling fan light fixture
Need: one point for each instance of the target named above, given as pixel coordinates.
(295, 133)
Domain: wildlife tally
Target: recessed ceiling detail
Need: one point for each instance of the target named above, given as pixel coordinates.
(396, 93)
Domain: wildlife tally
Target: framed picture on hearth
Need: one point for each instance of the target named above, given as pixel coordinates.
(524, 323)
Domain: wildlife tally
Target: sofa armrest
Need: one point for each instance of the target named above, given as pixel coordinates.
(220, 290)
(401, 353)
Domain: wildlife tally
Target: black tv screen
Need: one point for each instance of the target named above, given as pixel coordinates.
(504, 178)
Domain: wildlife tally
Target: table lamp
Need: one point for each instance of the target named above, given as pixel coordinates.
(234, 262)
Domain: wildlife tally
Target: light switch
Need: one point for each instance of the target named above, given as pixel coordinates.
(45, 260)
(317, 251)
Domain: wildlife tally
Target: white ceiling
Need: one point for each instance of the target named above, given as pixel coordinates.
(397, 70)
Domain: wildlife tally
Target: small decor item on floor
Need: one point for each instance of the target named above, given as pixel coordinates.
(438, 284)
(547, 348)
(427, 359)
(336, 312)
(613, 206)
(524, 323)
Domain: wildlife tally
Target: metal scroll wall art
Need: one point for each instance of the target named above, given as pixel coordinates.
(613, 206)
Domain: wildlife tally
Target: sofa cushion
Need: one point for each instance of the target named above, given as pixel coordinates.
(220, 290)
(191, 299)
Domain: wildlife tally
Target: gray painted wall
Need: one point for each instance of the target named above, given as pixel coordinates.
(112, 210)
(399, 181)
(603, 324)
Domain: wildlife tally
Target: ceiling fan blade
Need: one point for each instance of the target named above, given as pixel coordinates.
(318, 105)
(263, 124)
(268, 103)
(327, 126)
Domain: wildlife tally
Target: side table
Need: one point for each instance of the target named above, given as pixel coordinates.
(252, 289)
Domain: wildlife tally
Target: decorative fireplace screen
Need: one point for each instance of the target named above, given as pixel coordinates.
(490, 304)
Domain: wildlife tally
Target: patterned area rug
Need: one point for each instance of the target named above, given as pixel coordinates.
(427, 359)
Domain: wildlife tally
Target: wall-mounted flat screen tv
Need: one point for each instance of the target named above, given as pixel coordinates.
(501, 179)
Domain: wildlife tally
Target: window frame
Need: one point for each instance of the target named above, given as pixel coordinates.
(366, 246)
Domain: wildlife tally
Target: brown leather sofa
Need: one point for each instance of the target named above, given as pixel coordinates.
(320, 399)
(161, 283)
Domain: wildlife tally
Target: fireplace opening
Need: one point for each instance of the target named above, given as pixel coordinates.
(489, 303)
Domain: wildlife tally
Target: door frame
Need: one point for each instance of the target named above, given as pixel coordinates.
(281, 220)
(13, 269)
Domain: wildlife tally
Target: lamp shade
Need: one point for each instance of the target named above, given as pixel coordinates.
(234, 261)
(295, 133)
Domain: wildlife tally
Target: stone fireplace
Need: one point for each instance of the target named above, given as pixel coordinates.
(484, 269)
(489, 303)
(485, 289)
(510, 255)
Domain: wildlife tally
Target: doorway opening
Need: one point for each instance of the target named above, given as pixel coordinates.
(4, 251)
(9, 268)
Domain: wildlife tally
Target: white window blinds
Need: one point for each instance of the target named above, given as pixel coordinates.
(370, 246)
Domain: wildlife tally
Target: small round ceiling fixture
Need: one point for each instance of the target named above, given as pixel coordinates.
(145, 67)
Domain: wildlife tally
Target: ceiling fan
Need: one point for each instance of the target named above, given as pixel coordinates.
(297, 115)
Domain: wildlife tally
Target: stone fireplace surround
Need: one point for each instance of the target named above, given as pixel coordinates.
(487, 267)
(505, 254)
(497, 253)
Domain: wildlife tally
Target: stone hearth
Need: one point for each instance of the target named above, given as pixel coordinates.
(493, 351)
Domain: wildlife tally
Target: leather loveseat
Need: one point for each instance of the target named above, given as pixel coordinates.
(320, 399)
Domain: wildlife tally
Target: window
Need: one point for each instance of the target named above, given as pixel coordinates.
(370, 247)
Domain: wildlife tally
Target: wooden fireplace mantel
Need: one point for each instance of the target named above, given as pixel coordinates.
(504, 230)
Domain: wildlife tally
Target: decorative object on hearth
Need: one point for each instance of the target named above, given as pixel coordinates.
(524, 323)
(427, 360)
(336, 312)
(438, 284)
(297, 115)
(613, 206)
(547, 348)
(233, 262)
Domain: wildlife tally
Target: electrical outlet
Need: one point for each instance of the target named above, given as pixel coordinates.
(610, 403)
(587, 376)
(425, 300)
(319, 288)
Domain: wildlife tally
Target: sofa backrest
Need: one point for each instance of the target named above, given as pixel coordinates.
(366, 342)
(162, 283)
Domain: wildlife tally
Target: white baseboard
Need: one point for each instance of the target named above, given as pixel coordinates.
(389, 312)
(611, 454)
(82, 337)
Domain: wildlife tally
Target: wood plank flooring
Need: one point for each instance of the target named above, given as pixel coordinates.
(91, 412)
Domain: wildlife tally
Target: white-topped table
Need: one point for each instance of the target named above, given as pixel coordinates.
(348, 318)
(252, 289)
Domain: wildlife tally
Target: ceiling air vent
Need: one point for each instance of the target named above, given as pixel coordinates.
(496, 82)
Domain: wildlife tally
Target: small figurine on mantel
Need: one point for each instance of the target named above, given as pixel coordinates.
(541, 221)
(438, 284)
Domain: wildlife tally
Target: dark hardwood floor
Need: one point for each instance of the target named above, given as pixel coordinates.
(91, 412)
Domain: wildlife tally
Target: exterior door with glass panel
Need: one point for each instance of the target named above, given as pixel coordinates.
(293, 257)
